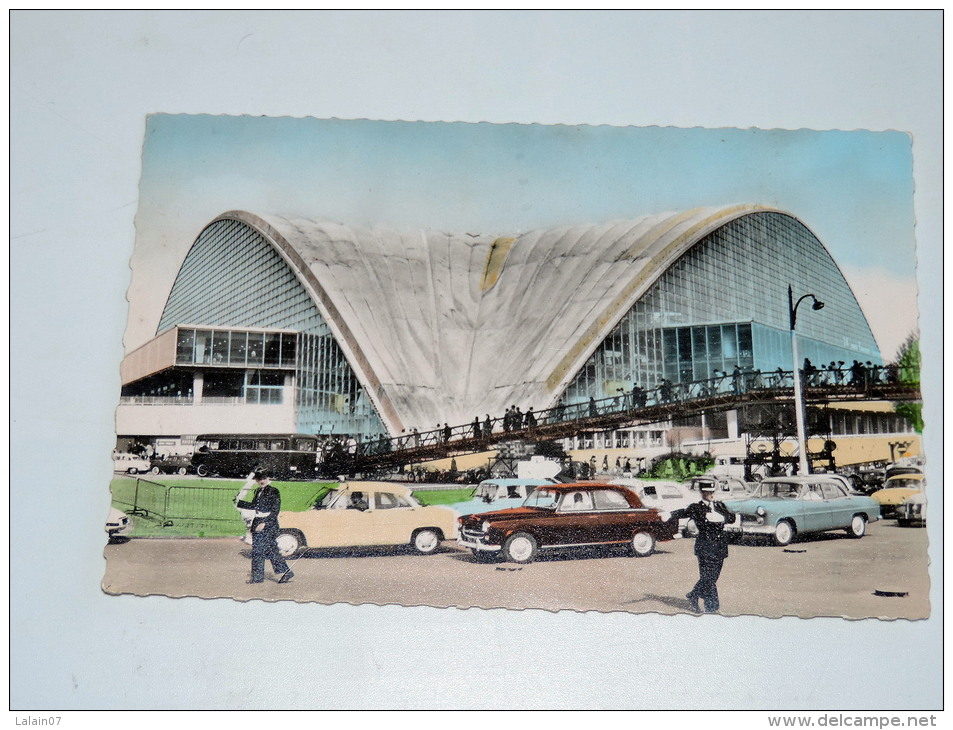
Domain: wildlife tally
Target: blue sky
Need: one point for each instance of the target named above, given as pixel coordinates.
(854, 189)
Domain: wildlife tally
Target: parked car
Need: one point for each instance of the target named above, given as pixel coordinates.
(367, 513)
(867, 481)
(666, 497)
(567, 515)
(173, 464)
(497, 494)
(131, 463)
(901, 469)
(117, 523)
(784, 507)
(734, 466)
(728, 488)
(913, 511)
(849, 484)
(896, 489)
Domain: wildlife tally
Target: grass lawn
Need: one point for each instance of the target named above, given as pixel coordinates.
(440, 496)
(176, 507)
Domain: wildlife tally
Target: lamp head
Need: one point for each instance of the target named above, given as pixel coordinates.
(817, 305)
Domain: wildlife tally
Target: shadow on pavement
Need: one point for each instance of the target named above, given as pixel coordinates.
(557, 555)
(679, 603)
(355, 552)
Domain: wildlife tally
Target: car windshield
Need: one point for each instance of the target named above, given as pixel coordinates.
(331, 500)
(543, 499)
(486, 491)
(905, 484)
(783, 490)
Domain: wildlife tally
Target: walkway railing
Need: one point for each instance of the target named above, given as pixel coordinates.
(665, 401)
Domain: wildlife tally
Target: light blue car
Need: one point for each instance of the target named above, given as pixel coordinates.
(496, 494)
(784, 507)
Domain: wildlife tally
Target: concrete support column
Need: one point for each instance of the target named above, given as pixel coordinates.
(732, 417)
(198, 383)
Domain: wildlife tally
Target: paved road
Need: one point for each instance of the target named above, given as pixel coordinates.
(830, 575)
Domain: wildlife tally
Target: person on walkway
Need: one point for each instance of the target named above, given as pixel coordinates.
(711, 545)
(264, 530)
(639, 396)
(736, 380)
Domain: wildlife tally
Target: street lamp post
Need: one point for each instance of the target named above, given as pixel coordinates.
(804, 466)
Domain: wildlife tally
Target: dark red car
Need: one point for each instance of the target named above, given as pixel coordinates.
(567, 515)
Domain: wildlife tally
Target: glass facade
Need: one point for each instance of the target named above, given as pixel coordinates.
(233, 278)
(725, 304)
(228, 348)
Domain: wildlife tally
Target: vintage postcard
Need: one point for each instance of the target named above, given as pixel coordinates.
(523, 366)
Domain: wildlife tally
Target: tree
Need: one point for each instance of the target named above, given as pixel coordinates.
(908, 364)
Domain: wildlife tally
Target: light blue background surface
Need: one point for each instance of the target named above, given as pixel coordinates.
(81, 85)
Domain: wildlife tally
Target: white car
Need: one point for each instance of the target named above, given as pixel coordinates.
(665, 497)
(913, 511)
(727, 488)
(117, 523)
(130, 464)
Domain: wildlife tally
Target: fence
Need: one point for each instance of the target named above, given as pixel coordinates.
(167, 503)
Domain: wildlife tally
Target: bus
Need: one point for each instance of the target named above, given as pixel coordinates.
(286, 456)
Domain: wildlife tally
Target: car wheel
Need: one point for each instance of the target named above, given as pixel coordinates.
(858, 526)
(520, 548)
(202, 470)
(426, 541)
(181, 471)
(643, 544)
(154, 470)
(691, 529)
(902, 522)
(289, 542)
(784, 533)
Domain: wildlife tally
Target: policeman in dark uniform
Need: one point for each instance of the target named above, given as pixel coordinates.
(264, 531)
(711, 544)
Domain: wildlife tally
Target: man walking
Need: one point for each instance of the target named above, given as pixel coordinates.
(264, 530)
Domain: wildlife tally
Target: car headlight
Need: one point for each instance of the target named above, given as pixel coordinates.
(485, 526)
(761, 512)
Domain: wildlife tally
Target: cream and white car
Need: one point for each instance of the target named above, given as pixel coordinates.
(130, 463)
(358, 514)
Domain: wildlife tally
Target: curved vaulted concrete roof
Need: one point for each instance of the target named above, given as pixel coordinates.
(441, 327)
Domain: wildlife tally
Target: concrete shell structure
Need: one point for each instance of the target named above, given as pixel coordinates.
(441, 327)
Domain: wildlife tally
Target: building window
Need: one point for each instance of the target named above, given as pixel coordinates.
(264, 387)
